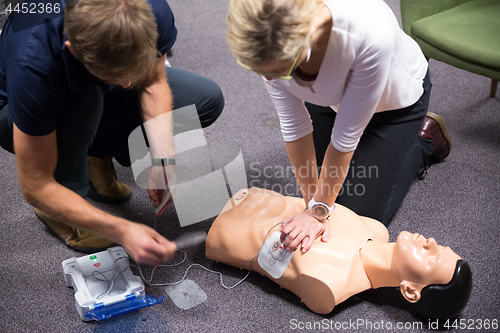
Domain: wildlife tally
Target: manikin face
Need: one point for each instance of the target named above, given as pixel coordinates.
(422, 261)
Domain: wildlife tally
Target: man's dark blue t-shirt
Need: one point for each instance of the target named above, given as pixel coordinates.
(38, 74)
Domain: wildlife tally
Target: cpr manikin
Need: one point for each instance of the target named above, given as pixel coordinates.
(434, 280)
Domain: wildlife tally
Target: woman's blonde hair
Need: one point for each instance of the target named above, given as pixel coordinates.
(268, 30)
(113, 37)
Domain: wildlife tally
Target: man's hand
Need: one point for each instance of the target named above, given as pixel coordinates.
(303, 229)
(147, 246)
(161, 186)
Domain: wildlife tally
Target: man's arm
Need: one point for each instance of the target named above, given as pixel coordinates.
(36, 163)
(156, 107)
(156, 100)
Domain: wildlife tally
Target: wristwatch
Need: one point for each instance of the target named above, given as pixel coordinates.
(163, 161)
(320, 210)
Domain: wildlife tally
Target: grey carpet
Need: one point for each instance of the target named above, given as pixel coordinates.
(458, 203)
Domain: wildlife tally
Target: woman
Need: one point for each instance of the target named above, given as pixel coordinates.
(366, 86)
(434, 280)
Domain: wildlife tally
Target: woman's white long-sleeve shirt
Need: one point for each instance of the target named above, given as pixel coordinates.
(370, 65)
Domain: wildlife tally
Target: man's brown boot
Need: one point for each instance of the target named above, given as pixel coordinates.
(103, 184)
(75, 238)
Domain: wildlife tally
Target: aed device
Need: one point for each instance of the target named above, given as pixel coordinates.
(105, 286)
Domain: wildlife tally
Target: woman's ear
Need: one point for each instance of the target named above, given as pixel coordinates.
(411, 291)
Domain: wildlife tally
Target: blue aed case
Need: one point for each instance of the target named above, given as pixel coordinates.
(105, 286)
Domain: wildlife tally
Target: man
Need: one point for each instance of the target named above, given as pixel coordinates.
(78, 84)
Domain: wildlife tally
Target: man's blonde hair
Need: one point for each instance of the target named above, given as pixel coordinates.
(260, 31)
(113, 37)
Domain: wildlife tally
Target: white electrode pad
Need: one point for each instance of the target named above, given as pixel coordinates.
(273, 257)
(186, 294)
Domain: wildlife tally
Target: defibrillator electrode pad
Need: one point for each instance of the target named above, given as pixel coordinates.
(273, 256)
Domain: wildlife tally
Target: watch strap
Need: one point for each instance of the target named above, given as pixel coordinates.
(163, 161)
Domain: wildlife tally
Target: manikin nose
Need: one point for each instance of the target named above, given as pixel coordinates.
(430, 243)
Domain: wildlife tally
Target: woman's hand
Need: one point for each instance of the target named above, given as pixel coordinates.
(303, 229)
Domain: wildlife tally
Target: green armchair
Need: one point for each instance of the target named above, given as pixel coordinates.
(461, 33)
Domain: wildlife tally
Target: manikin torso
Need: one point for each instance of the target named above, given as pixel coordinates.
(325, 276)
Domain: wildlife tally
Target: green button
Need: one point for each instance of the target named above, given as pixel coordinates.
(93, 257)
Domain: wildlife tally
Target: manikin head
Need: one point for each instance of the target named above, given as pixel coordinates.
(435, 281)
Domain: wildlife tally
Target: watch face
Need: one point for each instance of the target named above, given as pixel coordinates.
(319, 211)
